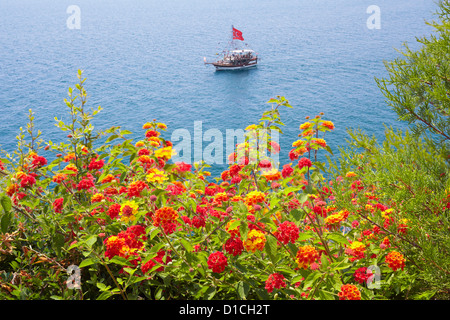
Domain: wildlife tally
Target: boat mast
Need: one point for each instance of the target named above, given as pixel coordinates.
(232, 38)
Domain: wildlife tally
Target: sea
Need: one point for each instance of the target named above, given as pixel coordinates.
(144, 60)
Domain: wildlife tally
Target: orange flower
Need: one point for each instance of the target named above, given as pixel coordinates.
(306, 255)
(139, 144)
(221, 197)
(336, 218)
(350, 174)
(328, 124)
(59, 177)
(349, 292)
(11, 189)
(162, 126)
(306, 125)
(154, 141)
(164, 215)
(97, 197)
(356, 249)
(320, 142)
(395, 260)
(69, 157)
(71, 167)
(108, 178)
(254, 197)
(145, 159)
(298, 143)
(155, 175)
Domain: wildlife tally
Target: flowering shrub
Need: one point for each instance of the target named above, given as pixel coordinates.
(138, 226)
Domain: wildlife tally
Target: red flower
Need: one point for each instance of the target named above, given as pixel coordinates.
(274, 147)
(304, 162)
(362, 275)
(234, 246)
(135, 188)
(265, 164)
(27, 181)
(287, 170)
(38, 162)
(183, 167)
(85, 184)
(96, 165)
(217, 262)
(198, 222)
(275, 281)
(293, 155)
(114, 210)
(287, 232)
(143, 152)
(152, 133)
(58, 204)
(235, 169)
(159, 259)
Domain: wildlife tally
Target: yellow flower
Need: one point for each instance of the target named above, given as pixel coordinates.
(165, 153)
(357, 246)
(161, 126)
(128, 211)
(20, 174)
(255, 241)
(386, 213)
(155, 175)
(298, 143)
(251, 127)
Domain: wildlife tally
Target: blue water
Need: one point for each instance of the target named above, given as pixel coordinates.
(144, 60)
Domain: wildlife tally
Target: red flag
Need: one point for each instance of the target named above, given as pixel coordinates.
(237, 35)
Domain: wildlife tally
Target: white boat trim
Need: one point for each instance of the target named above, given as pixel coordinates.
(220, 68)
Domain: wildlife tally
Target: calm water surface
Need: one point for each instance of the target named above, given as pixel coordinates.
(144, 60)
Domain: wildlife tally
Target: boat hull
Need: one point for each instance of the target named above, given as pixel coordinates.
(224, 68)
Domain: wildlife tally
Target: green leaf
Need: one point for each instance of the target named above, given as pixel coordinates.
(187, 245)
(210, 292)
(305, 236)
(271, 248)
(309, 281)
(233, 225)
(6, 221)
(242, 289)
(90, 241)
(243, 230)
(337, 237)
(6, 203)
(119, 260)
(86, 262)
(297, 214)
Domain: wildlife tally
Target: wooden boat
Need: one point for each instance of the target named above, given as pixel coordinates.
(235, 58)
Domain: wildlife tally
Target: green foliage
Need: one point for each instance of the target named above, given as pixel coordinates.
(418, 86)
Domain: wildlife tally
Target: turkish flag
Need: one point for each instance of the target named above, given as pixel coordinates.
(237, 35)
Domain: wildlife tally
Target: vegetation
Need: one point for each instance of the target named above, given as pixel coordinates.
(119, 221)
